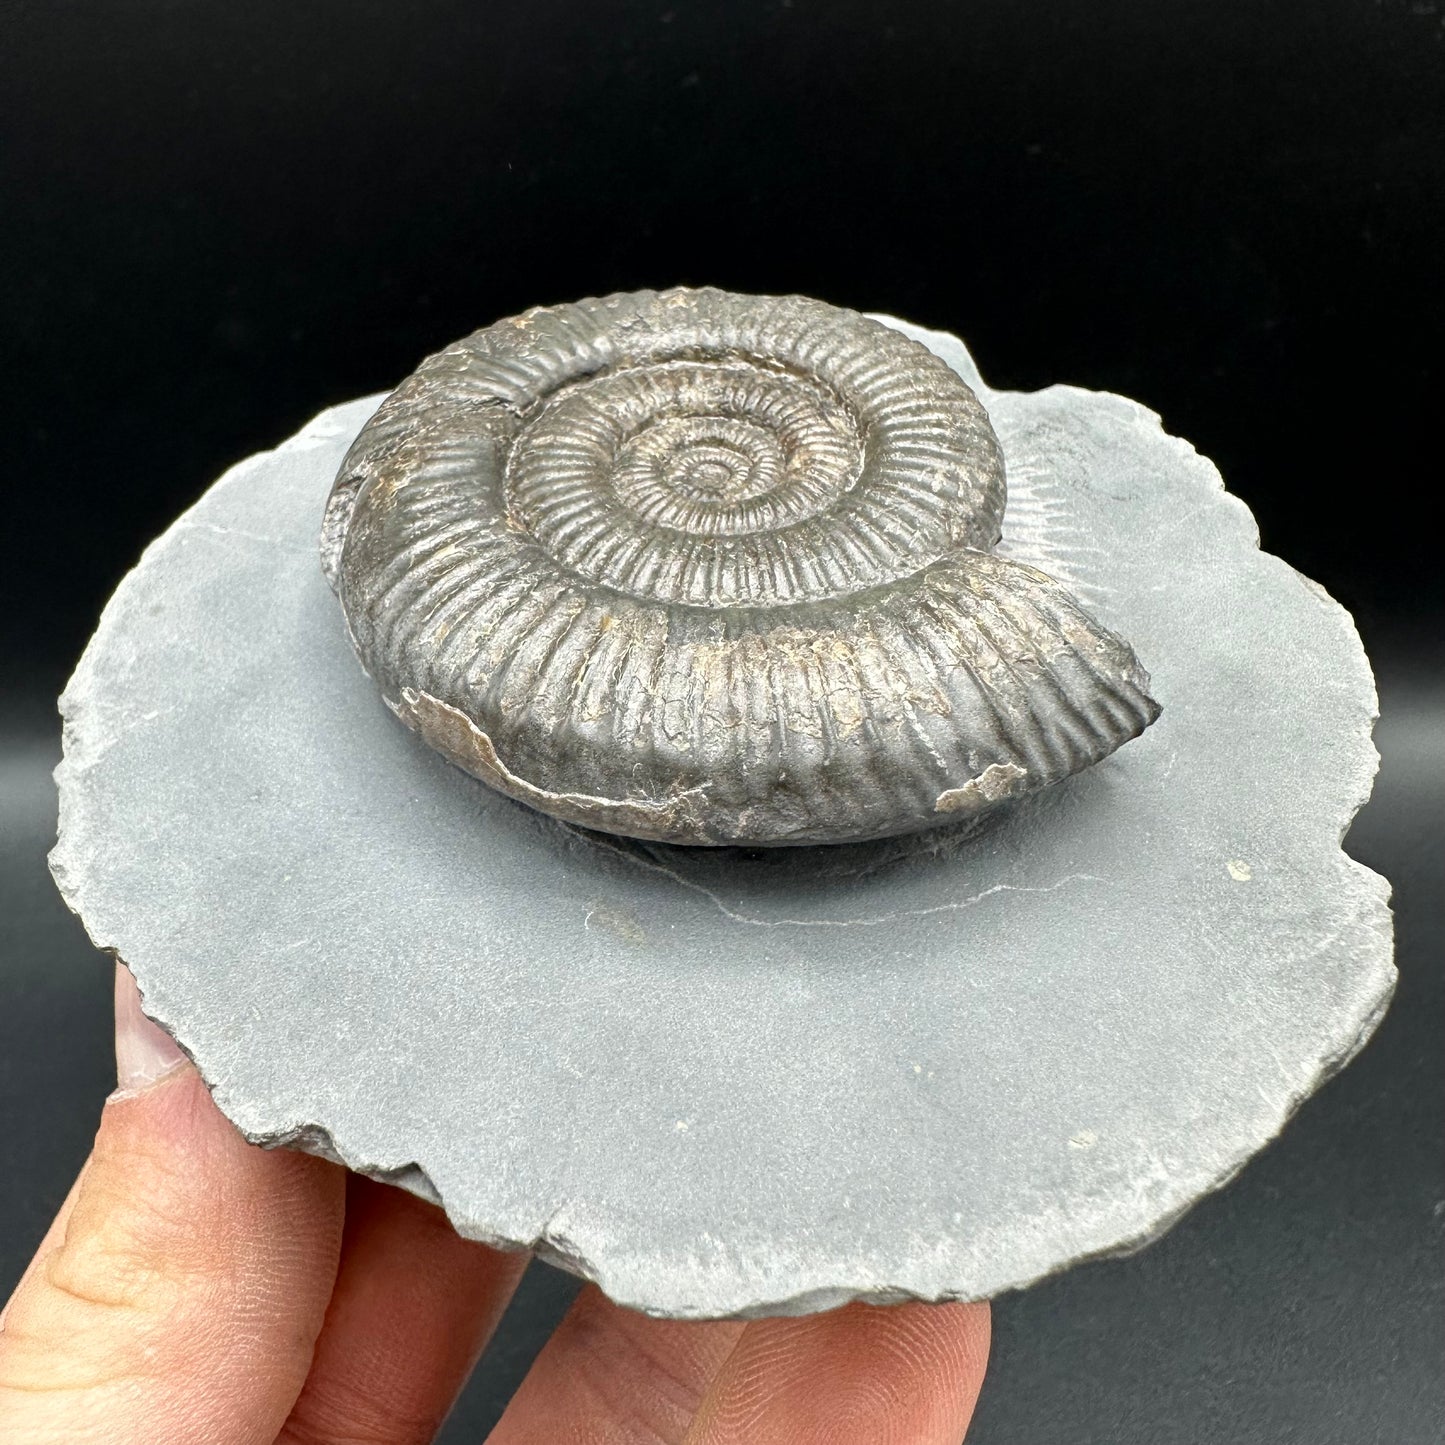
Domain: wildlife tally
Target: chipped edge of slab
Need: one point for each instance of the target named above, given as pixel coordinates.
(550, 1241)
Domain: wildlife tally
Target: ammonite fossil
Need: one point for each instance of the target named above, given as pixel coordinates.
(707, 568)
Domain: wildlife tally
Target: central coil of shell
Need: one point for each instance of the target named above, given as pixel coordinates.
(710, 568)
(730, 481)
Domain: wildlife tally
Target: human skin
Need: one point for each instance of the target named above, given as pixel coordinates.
(195, 1290)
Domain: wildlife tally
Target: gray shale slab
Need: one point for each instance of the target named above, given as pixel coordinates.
(727, 1083)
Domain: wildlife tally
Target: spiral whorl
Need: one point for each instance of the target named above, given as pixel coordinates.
(712, 568)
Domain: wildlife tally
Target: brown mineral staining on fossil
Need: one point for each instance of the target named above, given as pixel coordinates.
(708, 568)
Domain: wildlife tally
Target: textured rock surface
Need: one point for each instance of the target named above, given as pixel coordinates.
(725, 1083)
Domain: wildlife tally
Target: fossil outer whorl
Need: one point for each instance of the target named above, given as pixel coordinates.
(708, 568)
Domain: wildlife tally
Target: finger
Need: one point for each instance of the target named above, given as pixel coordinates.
(183, 1296)
(414, 1305)
(902, 1375)
(610, 1376)
(53, 1237)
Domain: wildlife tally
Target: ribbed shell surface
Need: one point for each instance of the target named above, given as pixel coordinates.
(708, 568)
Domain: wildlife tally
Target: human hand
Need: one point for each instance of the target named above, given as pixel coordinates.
(194, 1290)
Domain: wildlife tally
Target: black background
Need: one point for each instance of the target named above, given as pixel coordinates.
(217, 218)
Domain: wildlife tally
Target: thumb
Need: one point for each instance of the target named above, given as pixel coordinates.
(180, 1291)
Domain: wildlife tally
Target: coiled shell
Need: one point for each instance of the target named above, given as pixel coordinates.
(707, 568)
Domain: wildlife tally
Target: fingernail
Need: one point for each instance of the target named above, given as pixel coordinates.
(144, 1052)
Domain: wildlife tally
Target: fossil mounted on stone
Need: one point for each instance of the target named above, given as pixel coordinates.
(714, 569)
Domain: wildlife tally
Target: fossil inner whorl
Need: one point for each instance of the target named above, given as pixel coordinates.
(668, 480)
(710, 568)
